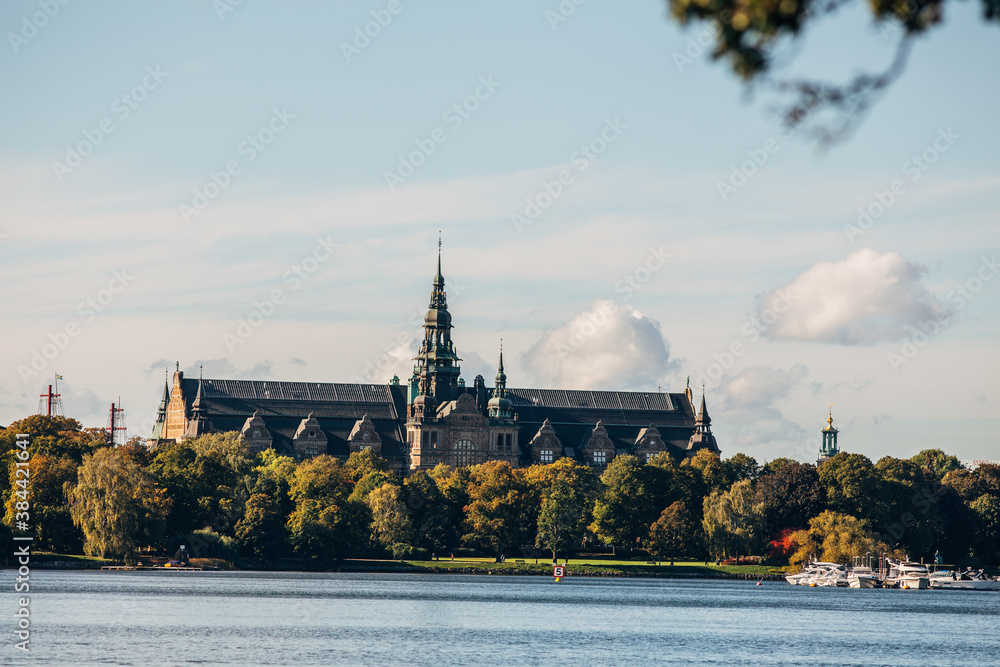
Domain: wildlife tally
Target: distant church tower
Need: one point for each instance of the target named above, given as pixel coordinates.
(829, 447)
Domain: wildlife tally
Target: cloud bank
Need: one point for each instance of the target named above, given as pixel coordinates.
(868, 297)
(605, 347)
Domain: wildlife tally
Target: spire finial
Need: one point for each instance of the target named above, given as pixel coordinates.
(201, 368)
(829, 419)
(439, 279)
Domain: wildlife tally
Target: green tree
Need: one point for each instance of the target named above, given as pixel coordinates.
(713, 473)
(733, 521)
(503, 508)
(261, 531)
(986, 509)
(454, 488)
(324, 533)
(364, 462)
(567, 490)
(628, 502)
(391, 522)
(673, 534)
(852, 486)
(370, 482)
(274, 475)
(966, 484)
(55, 437)
(326, 527)
(226, 469)
(790, 495)
(42, 484)
(775, 465)
(835, 538)
(435, 522)
(671, 482)
(208, 480)
(739, 467)
(937, 462)
(173, 468)
(116, 505)
(911, 501)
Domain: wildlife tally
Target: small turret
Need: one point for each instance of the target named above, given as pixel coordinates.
(499, 406)
(198, 422)
(702, 437)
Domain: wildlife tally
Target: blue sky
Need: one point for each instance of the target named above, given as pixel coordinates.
(895, 323)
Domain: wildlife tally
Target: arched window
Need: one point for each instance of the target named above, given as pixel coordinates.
(464, 455)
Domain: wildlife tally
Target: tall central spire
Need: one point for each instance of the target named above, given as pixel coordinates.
(437, 369)
(439, 300)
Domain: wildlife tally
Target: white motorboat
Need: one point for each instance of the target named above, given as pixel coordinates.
(829, 579)
(963, 581)
(904, 574)
(862, 576)
(809, 573)
(802, 578)
(836, 575)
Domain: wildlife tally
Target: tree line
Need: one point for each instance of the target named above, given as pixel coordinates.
(210, 494)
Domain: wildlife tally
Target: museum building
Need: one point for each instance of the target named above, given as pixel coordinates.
(434, 417)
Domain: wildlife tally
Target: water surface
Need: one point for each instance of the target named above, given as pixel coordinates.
(244, 618)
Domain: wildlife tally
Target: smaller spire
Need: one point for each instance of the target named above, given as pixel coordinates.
(197, 399)
(703, 417)
(166, 395)
(501, 377)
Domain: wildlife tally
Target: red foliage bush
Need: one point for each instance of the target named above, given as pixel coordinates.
(783, 547)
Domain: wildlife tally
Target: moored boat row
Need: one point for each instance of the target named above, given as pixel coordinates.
(891, 574)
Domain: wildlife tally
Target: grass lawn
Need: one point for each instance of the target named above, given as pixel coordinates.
(592, 566)
(77, 560)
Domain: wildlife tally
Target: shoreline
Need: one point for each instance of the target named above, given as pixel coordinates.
(638, 571)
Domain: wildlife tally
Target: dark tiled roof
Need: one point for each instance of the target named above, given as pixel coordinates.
(597, 400)
(573, 414)
(283, 405)
(614, 408)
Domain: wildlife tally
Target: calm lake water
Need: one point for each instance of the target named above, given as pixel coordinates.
(242, 618)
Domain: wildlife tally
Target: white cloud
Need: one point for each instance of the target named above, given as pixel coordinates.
(606, 347)
(748, 417)
(761, 386)
(868, 297)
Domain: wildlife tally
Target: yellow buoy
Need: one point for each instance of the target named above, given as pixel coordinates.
(558, 579)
